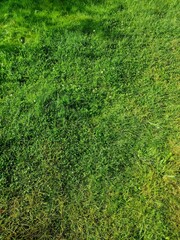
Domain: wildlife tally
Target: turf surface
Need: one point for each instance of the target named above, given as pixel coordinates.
(89, 115)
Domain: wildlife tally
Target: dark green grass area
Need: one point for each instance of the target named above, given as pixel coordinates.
(89, 115)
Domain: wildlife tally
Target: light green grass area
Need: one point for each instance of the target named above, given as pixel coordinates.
(89, 115)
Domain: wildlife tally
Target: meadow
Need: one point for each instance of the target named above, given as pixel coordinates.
(89, 116)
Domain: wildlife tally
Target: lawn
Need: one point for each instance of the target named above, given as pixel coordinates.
(89, 115)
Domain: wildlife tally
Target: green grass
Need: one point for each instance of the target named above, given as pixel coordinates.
(89, 119)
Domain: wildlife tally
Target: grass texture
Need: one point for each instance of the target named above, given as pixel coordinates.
(89, 118)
